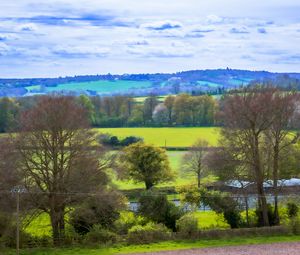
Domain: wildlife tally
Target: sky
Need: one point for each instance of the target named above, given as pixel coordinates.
(78, 37)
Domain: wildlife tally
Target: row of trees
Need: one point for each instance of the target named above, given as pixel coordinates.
(119, 111)
(259, 143)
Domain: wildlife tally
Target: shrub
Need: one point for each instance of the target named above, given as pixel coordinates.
(271, 216)
(292, 209)
(294, 225)
(127, 220)
(98, 234)
(223, 203)
(156, 207)
(130, 140)
(103, 210)
(149, 233)
(187, 225)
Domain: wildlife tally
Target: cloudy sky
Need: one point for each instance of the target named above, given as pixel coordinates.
(72, 37)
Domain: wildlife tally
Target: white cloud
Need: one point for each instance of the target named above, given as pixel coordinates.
(28, 27)
(162, 25)
(81, 51)
(138, 36)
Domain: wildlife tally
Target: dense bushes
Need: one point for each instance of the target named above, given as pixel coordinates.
(110, 140)
(156, 207)
(292, 209)
(187, 225)
(149, 233)
(127, 220)
(101, 210)
(223, 203)
(98, 234)
(271, 216)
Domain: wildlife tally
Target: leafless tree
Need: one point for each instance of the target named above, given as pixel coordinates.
(58, 157)
(285, 114)
(246, 116)
(193, 160)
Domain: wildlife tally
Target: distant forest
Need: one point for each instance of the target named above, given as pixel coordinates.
(123, 111)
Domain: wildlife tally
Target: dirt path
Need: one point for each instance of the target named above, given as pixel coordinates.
(292, 248)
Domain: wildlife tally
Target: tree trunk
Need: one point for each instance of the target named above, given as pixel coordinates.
(247, 210)
(198, 179)
(149, 184)
(57, 222)
(275, 184)
(259, 182)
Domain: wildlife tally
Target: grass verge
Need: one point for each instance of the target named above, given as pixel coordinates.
(162, 246)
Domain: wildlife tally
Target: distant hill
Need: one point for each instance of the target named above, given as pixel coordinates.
(194, 81)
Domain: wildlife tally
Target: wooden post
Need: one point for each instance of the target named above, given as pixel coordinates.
(18, 224)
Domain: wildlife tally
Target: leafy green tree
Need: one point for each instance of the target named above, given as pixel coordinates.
(145, 163)
(156, 207)
(8, 114)
(87, 104)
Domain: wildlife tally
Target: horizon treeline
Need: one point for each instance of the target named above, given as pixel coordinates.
(125, 111)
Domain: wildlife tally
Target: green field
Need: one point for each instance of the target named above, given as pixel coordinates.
(170, 137)
(103, 87)
(161, 246)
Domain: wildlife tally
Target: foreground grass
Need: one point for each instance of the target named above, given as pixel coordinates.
(162, 246)
(172, 137)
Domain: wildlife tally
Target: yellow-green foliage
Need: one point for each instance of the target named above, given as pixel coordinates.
(172, 137)
(210, 220)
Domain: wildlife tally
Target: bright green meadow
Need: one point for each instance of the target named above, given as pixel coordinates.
(171, 137)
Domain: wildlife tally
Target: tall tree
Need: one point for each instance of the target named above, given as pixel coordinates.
(193, 160)
(285, 117)
(56, 160)
(169, 103)
(246, 117)
(145, 163)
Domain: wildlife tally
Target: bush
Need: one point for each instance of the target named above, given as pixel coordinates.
(222, 202)
(103, 210)
(294, 225)
(187, 225)
(130, 140)
(98, 234)
(157, 208)
(127, 220)
(271, 216)
(292, 209)
(149, 233)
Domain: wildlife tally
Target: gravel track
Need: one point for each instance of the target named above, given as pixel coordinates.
(290, 248)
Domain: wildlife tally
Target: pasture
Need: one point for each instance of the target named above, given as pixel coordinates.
(170, 137)
(102, 86)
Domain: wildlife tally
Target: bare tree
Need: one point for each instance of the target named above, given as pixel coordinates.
(193, 160)
(246, 117)
(285, 116)
(56, 159)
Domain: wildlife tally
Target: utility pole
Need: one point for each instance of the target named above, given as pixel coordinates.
(17, 190)
(18, 223)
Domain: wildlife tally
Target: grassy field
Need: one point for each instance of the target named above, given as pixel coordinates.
(161, 246)
(177, 137)
(102, 87)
